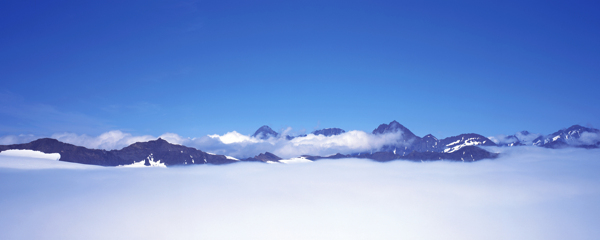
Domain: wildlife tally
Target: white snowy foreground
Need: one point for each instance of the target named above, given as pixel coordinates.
(529, 193)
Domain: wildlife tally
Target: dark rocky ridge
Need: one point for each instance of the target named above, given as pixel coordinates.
(264, 157)
(575, 136)
(414, 145)
(329, 132)
(571, 137)
(465, 154)
(158, 150)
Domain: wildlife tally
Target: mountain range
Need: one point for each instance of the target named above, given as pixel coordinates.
(152, 153)
(463, 147)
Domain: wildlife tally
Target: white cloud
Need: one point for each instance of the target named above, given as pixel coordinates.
(235, 137)
(348, 142)
(527, 193)
(589, 138)
(16, 139)
(174, 138)
(525, 139)
(108, 140)
(242, 146)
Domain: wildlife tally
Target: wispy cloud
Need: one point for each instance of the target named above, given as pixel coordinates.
(526, 139)
(21, 116)
(15, 139)
(109, 140)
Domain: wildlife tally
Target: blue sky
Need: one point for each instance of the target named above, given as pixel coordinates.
(209, 67)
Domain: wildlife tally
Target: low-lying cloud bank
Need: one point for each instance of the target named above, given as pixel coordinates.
(528, 193)
(235, 144)
(526, 139)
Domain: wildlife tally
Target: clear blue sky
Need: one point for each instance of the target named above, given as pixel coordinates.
(205, 67)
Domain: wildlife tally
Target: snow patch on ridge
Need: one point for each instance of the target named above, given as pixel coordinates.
(142, 163)
(295, 160)
(468, 142)
(30, 154)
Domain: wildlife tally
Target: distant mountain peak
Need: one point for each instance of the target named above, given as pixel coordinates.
(394, 126)
(574, 136)
(265, 132)
(329, 131)
(576, 126)
(430, 136)
(267, 156)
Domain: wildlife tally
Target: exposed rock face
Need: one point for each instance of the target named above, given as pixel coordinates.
(71, 153)
(170, 154)
(329, 132)
(151, 151)
(466, 154)
(264, 157)
(574, 136)
(410, 144)
(265, 132)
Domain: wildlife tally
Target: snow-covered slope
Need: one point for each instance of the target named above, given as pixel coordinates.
(576, 136)
(29, 159)
(30, 154)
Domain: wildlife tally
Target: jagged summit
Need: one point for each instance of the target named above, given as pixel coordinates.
(267, 156)
(264, 157)
(430, 136)
(394, 126)
(329, 132)
(574, 136)
(265, 132)
(409, 143)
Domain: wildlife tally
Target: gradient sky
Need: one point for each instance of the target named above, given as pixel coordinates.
(209, 67)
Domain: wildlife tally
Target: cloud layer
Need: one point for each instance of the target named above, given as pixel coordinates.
(235, 144)
(526, 139)
(529, 193)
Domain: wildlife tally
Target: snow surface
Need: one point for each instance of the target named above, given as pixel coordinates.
(468, 142)
(555, 138)
(135, 164)
(295, 160)
(150, 159)
(29, 159)
(30, 154)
